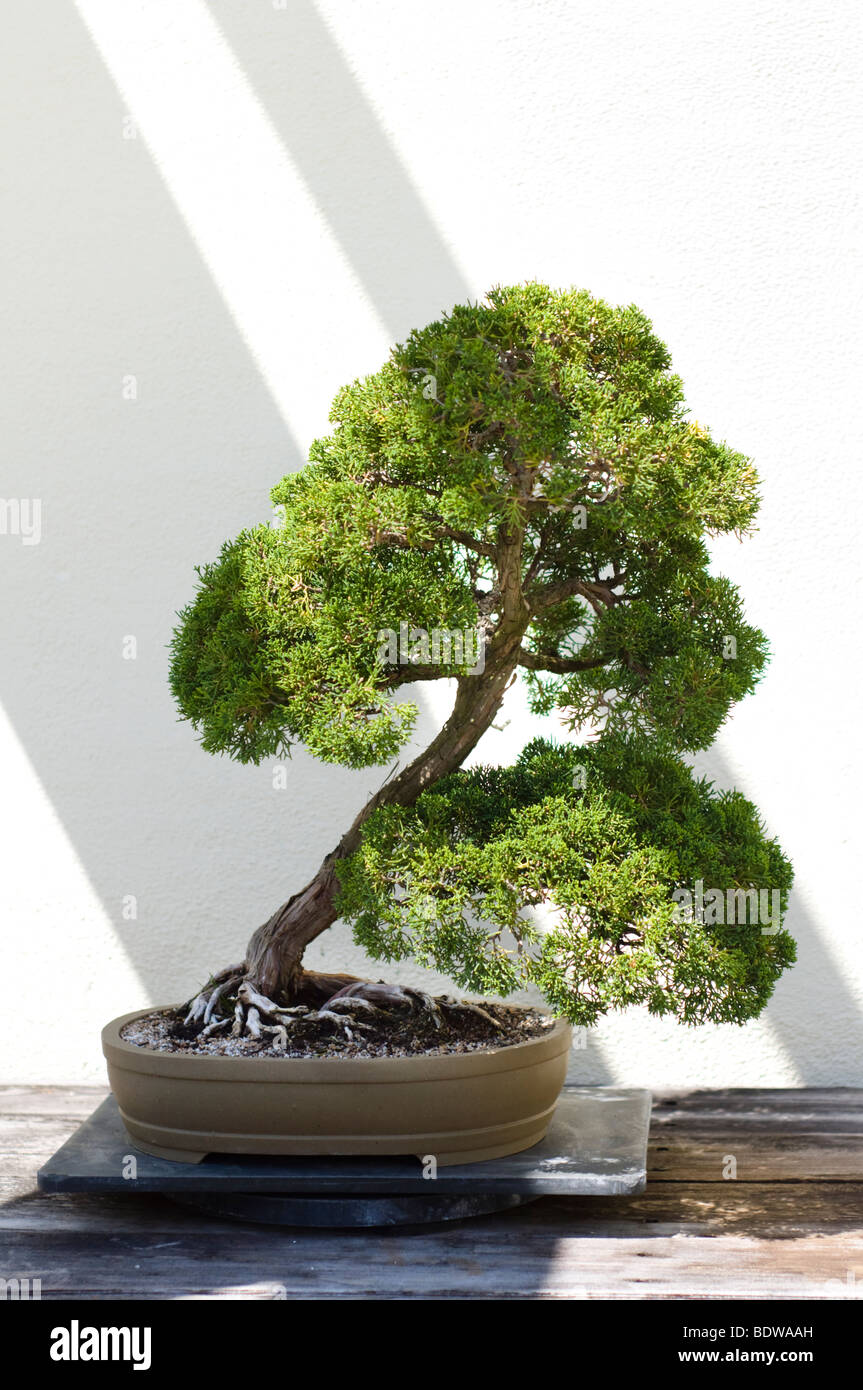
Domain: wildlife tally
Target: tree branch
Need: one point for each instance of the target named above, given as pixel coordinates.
(466, 539)
(408, 673)
(442, 532)
(559, 665)
(598, 594)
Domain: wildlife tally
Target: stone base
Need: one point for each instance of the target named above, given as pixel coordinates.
(349, 1212)
(596, 1146)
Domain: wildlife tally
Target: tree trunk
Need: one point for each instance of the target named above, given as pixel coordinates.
(275, 952)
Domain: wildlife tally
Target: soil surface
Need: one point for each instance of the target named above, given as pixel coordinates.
(410, 1035)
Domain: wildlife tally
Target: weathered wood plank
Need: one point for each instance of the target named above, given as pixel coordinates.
(774, 1136)
(33, 1133)
(766, 1122)
(685, 1155)
(776, 1211)
(74, 1101)
(488, 1259)
(757, 1097)
(791, 1158)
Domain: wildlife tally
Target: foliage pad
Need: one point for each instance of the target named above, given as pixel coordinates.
(452, 880)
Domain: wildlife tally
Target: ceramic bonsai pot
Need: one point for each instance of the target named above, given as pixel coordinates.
(459, 1107)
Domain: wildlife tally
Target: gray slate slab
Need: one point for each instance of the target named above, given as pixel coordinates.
(596, 1146)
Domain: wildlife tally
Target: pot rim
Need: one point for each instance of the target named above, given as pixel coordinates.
(129, 1056)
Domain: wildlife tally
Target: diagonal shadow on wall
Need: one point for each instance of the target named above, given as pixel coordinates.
(336, 142)
(825, 1050)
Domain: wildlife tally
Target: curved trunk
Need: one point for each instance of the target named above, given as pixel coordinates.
(275, 952)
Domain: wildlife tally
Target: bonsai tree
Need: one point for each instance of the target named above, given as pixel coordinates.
(519, 488)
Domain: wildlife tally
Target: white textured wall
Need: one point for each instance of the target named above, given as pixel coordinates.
(306, 184)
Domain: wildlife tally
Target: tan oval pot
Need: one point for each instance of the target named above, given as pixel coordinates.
(460, 1107)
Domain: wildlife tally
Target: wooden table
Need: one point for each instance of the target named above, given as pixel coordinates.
(789, 1225)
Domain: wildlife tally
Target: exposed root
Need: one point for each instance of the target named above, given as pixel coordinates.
(279, 1035)
(345, 1024)
(362, 1007)
(464, 1007)
(202, 1007)
(213, 1027)
(392, 998)
(256, 1002)
(197, 1009)
(430, 1004)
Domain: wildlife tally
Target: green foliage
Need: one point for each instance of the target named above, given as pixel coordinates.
(674, 680)
(273, 651)
(549, 412)
(547, 425)
(602, 836)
